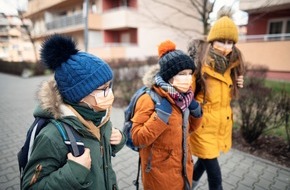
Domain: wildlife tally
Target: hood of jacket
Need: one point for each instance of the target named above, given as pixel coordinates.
(51, 104)
(148, 79)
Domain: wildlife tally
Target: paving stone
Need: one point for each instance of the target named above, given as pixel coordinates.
(239, 170)
(264, 182)
(249, 181)
(243, 187)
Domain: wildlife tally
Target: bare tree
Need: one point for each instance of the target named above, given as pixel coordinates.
(27, 30)
(201, 10)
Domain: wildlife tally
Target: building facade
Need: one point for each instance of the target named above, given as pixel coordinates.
(268, 36)
(15, 44)
(114, 29)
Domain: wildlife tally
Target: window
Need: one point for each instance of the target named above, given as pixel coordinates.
(124, 3)
(125, 38)
(288, 27)
(276, 27)
(279, 29)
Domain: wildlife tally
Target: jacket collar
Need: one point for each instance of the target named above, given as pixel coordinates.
(51, 101)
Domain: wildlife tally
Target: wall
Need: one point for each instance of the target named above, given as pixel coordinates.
(274, 54)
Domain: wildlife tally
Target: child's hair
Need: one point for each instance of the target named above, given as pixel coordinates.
(236, 55)
(199, 50)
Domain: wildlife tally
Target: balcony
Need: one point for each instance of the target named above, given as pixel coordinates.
(267, 37)
(35, 6)
(65, 21)
(126, 18)
(271, 51)
(4, 39)
(74, 21)
(262, 6)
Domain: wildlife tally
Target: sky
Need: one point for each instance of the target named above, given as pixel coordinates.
(11, 6)
(240, 17)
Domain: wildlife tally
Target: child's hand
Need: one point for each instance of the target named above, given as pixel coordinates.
(84, 159)
(116, 136)
(240, 81)
(195, 109)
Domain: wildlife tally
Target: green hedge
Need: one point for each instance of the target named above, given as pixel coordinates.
(18, 68)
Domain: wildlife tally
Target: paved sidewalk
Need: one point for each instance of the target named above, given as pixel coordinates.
(17, 101)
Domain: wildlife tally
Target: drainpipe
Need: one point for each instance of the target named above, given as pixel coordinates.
(85, 15)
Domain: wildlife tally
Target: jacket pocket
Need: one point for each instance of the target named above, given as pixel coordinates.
(161, 158)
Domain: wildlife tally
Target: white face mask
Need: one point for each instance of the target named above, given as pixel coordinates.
(98, 100)
(223, 47)
(182, 82)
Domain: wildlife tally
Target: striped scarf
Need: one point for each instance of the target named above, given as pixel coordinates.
(220, 63)
(182, 100)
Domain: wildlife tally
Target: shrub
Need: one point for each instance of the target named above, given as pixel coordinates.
(128, 78)
(18, 68)
(261, 108)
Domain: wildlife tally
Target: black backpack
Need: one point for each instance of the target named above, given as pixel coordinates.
(70, 136)
(129, 113)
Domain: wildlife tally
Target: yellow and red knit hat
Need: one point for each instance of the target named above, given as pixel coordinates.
(224, 27)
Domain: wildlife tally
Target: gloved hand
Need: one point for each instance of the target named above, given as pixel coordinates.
(163, 110)
(195, 108)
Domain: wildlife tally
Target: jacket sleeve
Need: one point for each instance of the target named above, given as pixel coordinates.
(118, 147)
(147, 126)
(194, 123)
(48, 167)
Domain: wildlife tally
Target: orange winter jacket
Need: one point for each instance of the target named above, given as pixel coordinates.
(162, 144)
(215, 133)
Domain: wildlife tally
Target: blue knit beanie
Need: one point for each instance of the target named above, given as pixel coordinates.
(77, 74)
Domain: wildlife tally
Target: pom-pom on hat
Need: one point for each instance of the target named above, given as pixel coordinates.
(224, 27)
(77, 74)
(172, 61)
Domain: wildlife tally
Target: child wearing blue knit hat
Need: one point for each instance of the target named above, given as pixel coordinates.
(81, 96)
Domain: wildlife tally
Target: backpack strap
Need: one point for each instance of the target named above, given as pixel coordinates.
(70, 137)
(136, 182)
(74, 144)
(135, 98)
(156, 99)
(37, 125)
(24, 153)
(154, 96)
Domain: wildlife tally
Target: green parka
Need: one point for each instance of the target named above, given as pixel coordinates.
(48, 163)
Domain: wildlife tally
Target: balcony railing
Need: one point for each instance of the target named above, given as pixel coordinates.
(65, 21)
(265, 37)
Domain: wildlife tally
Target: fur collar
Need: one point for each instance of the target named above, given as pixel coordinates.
(51, 101)
(148, 79)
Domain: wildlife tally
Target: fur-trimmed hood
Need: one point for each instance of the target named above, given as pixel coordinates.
(50, 100)
(148, 79)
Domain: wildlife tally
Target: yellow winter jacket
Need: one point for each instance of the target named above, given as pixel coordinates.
(215, 133)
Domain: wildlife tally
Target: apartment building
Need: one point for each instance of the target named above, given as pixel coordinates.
(114, 28)
(268, 36)
(14, 42)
